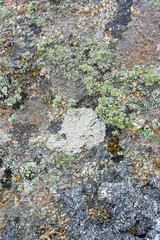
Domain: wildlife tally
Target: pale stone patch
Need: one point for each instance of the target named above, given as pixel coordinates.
(81, 128)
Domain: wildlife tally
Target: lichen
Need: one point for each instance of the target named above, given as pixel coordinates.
(124, 94)
(5, 13)
(155, 2)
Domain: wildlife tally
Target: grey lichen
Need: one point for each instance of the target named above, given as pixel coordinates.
(81, 129)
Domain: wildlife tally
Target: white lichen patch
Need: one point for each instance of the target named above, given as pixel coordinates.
(79, 128)
(3, 137)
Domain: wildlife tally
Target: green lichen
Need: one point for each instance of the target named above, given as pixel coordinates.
(32, 13)
(56, 101)
(29, 173)
(155, 124)
(5, 12)
(49, 172)
(63, 162)
(10, 89)
(155, 2)
(124, 94)
(29, 170)
(28, 186)
(12, 118)
(88, 62)
(71, 102)
(58, 137)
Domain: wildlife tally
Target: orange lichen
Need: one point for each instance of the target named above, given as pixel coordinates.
(111, 143)
(18, 177)
(5, 201)
(56, 8)
(136, 93)
(20, 79)
(76, 44)
(23, 61)
(39, 52)
(34, 74)
(100, 213)
(71, 44)
(158, 164)
(133, 164)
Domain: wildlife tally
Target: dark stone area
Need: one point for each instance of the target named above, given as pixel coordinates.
(19, 103)
(11, 233)
(1, 161)
(88, 101)
(6, 179)
(114, 148)
(122, 18)
(34, 28)
(55, 126)
(23, 131)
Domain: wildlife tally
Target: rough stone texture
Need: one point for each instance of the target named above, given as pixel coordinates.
(99, 195)
(141, 39)
(79, 129)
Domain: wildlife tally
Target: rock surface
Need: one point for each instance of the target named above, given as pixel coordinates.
(79, 124)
